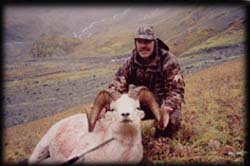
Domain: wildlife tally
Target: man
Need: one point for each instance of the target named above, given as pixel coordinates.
(152, 65)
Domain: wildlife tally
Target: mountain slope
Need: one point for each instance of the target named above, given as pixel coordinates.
(180, 28)
(108, 31)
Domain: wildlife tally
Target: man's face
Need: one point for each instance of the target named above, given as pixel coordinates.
(144, 47)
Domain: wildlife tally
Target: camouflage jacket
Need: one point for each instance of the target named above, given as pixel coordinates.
(162, 75)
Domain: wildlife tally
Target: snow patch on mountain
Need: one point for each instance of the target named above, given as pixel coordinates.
(121, 15)
(88, 31)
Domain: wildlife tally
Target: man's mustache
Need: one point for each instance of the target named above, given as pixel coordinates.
(144, 49)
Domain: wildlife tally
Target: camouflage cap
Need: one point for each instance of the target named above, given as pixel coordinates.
(145, 32)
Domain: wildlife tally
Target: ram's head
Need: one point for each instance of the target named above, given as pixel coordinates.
(126, 106)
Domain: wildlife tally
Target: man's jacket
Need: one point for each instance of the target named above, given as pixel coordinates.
(161, 73)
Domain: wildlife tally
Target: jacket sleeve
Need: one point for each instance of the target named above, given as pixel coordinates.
(120, 82)
(174, 83)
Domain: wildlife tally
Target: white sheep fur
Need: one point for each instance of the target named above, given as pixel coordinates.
(70, 137)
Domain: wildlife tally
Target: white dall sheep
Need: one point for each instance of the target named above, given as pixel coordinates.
(79, 133)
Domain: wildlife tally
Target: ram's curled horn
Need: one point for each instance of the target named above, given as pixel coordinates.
(146, 96)
(103, 99)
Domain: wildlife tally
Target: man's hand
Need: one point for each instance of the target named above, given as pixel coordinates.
(120, 84)
(165, 115)
(162, 124)
(168, 109)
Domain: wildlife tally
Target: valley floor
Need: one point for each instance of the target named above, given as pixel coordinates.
(38, 89)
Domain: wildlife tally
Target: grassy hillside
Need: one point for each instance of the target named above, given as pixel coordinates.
(212, 126)
(213, 119)
(53, 45)
(233, 35)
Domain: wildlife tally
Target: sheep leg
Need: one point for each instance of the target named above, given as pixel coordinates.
(46, 161)
(40, 153)
(49, 161)
(41, 150)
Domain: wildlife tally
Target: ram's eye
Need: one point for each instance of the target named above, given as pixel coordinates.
(139, 108)
(112, 109)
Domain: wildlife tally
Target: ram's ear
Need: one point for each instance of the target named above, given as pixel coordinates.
(109, 115)
(141, 114)
(137, 103)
